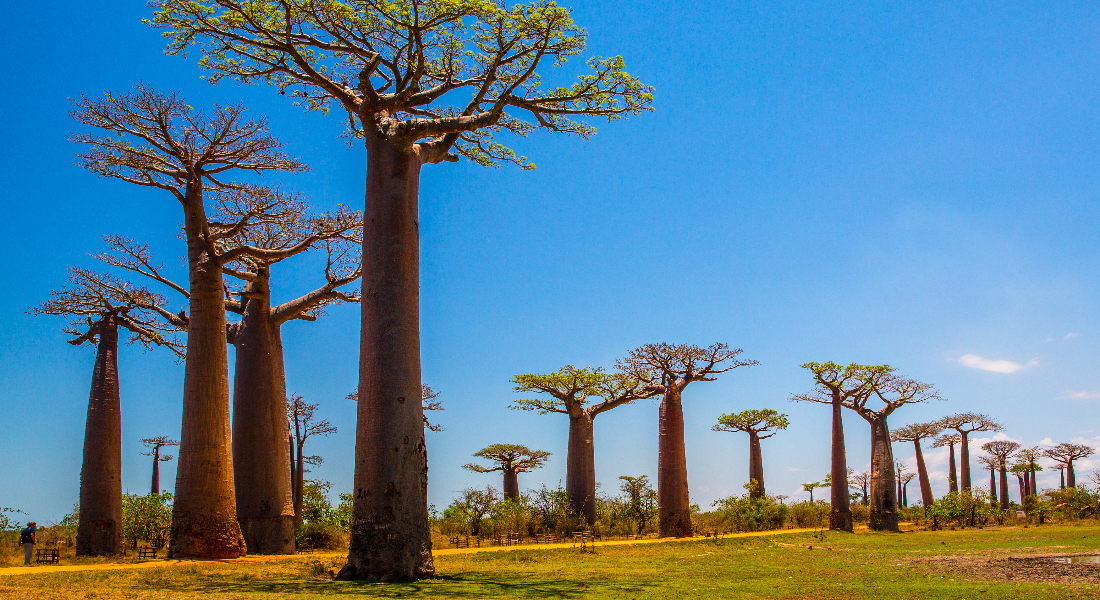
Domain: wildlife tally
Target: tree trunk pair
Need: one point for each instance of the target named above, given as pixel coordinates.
(1023, 486)
(840, 515)
(756, 466)
(952, 474)
(673, 504)
(964, 456)
(204, 513)
(100, 527)
(265, 507)
(1004, 488)
(884, 499)
(926, 496)
(390, 535)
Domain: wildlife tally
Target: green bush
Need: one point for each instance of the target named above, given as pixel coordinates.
(743, 513)
(809, 514)
(146, 519)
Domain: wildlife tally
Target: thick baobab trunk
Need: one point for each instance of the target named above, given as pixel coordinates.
(265, 508)
(884, 498)
(926, 496)
(993, 487)
(511, 484)
(204, 513)
(964, 457)
(390, 535)
(756, 466)
(154, 487)
(1023, 487)
(673, 506)
(1071, 479)
(1004, 487)
(100, 529)
(840, 516)
(952, 474)
(580, 469)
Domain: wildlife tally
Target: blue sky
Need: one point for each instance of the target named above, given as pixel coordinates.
(912, 184)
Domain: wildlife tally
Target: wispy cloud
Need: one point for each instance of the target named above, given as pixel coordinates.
(1070, 336)
(1079, 395)
(997, 366)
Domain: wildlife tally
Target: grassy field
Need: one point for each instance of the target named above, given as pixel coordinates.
(919, 565)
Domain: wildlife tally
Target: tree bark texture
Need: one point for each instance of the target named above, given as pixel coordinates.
(1033, 487)
(964, 457)
(154, 488)
(926, 496)
(1071, 479)
(1023, 487)
(840, 517)
(674, 512)
(100, 529)
(993, 486)
(1004, 488)
(756, 465)
(511, 484)
(884, 498)
(204, 513)
(952, 474)
(580, 469)
(390, 535)
(265, 506)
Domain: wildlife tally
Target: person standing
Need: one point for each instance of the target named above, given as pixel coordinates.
(28, 539)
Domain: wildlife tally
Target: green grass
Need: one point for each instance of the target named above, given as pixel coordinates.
(870, 566)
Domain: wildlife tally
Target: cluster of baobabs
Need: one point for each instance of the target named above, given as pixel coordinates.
(873, 392)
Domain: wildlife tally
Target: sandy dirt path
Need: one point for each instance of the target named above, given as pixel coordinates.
(152, 564)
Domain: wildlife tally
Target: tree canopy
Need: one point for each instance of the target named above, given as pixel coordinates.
(509, 457)
(753, 420)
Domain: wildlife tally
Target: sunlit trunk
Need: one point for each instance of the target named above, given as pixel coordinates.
(390, 535)
(1071, 480)
(511, 484)
(952, 474)
(100, 527)
(964, 457)
(204, 513)
(840, 516)
(1004, 488)
(993, 487)
(884, 498)
(756, 466)
(155, 487)
(674, 513)
(580, 468)
(926, 496)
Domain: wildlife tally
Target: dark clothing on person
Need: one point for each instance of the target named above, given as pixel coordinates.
(27, 535)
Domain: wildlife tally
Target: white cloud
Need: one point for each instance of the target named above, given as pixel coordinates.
(1070, 336)
(1046, 442)
(997, 366)
(792, 469)
(1079, 395)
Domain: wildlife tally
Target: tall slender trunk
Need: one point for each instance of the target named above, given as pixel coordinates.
(511, 484)
(580, 467)
(756, 466)
(993, 487)
(265, 506)
(1062, 474)
(1004, 488)
(884, 498)
(1071, 480)
(1023, 487)
(673, 505)
(155, 487)
(1033, 486)
(299, 476)
(840, 515)
(952, 474)
(390, 535)
(926, 496)
(293, 471)
(204, 512)
(100, 528)
(964, 457)
(905, 495)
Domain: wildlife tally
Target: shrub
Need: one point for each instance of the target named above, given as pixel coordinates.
(147, 519)
(744, 513)
(809, 514)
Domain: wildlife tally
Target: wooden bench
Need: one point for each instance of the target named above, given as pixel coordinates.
(304, 550)
(465, 541)
(546, 538)
(585, 539)
(147, 552)
(50, 556)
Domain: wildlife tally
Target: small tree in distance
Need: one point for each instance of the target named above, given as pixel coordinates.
(754, 422)
(813, 485)
(1002, 450)
(510, 459)
(860, 481)
(303, 425)
(915, 433)
(965, 424)
(642, 500)
(1030, 457)
(1064, 454)
(949, 441)
(155, 444)
(668, 369)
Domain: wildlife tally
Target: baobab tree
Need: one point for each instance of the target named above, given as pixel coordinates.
(97, 305)
(903, 480)
(1021, 470)
(511, 460)
(642, 499)
(1002, 450)
(915, 433)
(754, 422)
(965, 424)
(813, 485)
(1030, 457)
(396, 69)
(950, 441)
(894, 392)
(668, 369)
(860, 481)
(154, 445)
(571, 392)
(836, 385)
(303, 425)
(990, 463)
(157, 140)
(278, 222)
(1064, 455)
